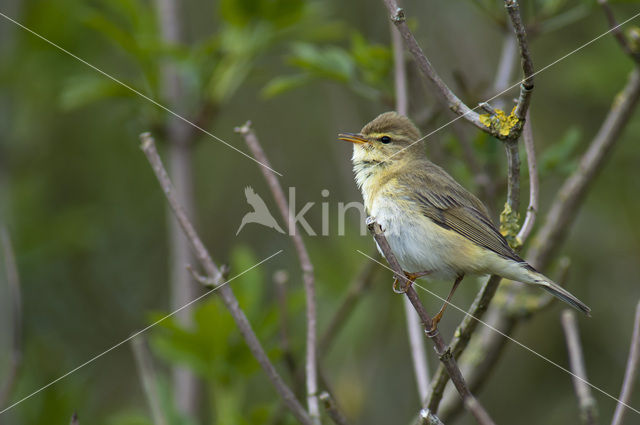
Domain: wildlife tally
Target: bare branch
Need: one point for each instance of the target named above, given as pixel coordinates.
(586, 401)
(443, 352)
(280, 278)
(534, 187)
(505, 67)
(147, 376)
(631, 371)
(354, 294)
(617, 31)
(571, 194)
(332, 410)
(527, 63)
(513, 175)
(226, 294)
(15, 300)
(305, 263)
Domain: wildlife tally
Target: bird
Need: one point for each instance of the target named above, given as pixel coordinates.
(434, 226)
(260, 213)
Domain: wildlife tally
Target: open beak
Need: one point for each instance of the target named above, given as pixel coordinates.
(352, 137)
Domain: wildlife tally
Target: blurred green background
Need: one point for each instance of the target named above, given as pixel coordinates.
(88, 219)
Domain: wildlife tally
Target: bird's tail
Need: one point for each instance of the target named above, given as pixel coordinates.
(554, 289)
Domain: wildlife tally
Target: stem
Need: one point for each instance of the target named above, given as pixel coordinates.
(630, 372)
(147, 375)
(305, 263)
(534, 187)
(576, 360)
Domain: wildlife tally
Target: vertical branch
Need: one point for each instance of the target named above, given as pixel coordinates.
(470, 402)
(147, 376)
(534, 187)
(576, 361)
(183, 289)
(305, 263)
(74, 419)
(416, 341)
(631, 371)
(15, 301)
(216, 277)
(513, 10)
(617, 31)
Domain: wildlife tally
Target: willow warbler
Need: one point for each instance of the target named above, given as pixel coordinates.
(433, 225)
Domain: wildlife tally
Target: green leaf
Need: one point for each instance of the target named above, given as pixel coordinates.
(284, 83)
(84, 90)
(333, 63)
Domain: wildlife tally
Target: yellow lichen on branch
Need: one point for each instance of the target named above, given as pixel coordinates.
(500, 122)
(509, 226)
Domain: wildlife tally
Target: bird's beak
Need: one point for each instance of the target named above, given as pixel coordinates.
(352, 137)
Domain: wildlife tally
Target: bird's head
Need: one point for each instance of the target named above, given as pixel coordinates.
(388, 135)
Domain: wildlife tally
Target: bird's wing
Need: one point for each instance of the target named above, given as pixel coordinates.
(439, 197)
(254, 199)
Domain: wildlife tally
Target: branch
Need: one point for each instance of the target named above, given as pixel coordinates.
(446, 95)
(630, 372)
(305, 263)
(534, 188)
(617, 31)
(444, 354)
(228, 298)
(15, 301)
(332, 410)
(74, 419)
(147, 376)
(513, 10)
(281, 277)
(586, 401)
(569, 198)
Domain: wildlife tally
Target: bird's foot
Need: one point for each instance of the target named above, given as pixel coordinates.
(401, 288)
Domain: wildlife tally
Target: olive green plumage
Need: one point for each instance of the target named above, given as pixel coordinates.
(408, 195)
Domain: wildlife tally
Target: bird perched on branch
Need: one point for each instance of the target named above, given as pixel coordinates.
(433, 225)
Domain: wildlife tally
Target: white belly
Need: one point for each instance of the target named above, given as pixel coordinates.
(417, 242)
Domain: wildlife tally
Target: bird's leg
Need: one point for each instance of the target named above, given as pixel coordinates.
(437, 317)
(411, 277)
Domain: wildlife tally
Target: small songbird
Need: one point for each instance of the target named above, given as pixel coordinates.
(433, 225)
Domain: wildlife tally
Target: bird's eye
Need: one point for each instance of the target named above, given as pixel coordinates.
(385, 139)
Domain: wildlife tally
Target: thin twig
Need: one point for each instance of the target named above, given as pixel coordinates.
(305, 263)
(416, 341)
(443, 352)
(588, 411)
(534, 187)
(617, 31)
(148, 379)
(15, 301)
(631, 371)
(354, 294)
(513, 175)
(226, 294)
(332, 410)
(513, 10)
(444, 92)
(505, 67)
